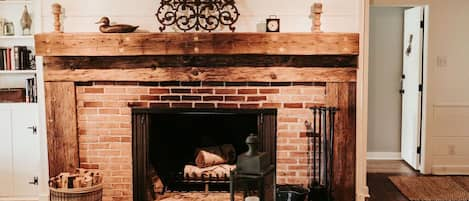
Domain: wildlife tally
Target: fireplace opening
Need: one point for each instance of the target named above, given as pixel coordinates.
(194, 150)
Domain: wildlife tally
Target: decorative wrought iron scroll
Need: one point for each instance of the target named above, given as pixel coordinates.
(197, 14)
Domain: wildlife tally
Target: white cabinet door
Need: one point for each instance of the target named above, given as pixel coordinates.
(25, 150)
(6, 155)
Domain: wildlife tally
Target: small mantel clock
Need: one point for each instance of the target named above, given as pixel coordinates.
(272, 24)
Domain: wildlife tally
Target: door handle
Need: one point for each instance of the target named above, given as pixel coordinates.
(34, 129)
(35, 181)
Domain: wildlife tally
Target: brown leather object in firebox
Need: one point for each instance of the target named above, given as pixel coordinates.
(210, 156)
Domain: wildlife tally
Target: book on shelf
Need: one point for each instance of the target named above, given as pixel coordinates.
(31, 90)
(17, 58)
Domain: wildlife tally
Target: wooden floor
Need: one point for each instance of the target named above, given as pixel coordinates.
(381, 188)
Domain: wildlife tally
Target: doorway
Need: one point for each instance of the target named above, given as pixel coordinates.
(397, 53)
(396, 84)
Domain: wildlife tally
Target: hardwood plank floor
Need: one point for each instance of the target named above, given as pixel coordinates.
(381, 188)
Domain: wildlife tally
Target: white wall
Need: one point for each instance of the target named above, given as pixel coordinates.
(80, 16)
(385, 70)
(447, 93)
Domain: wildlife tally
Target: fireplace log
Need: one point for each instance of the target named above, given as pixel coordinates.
(217, 172)
(210, 156)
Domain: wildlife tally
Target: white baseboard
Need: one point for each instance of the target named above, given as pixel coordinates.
(44, 197)
(450, 169)
(383, 156)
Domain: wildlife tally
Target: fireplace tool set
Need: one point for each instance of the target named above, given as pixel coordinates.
(321, 153)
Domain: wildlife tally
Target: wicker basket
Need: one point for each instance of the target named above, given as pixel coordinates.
(94, 193)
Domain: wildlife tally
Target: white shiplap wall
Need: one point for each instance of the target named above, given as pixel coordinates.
(80, 16)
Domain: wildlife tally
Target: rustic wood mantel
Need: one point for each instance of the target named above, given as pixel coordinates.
(71, 58)
(135, 44)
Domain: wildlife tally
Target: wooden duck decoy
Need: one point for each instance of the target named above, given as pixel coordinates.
(105, 27)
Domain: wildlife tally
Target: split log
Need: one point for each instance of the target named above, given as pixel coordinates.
(210, 156)
(82, 178)
(218, 171)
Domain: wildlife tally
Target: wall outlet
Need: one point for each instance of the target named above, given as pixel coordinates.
(442, 61)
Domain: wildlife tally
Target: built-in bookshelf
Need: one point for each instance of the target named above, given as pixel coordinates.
(17, 60)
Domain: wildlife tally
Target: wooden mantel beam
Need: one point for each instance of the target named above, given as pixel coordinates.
(137, 44)
(227, 74)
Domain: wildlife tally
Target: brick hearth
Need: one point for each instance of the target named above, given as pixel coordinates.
(104, 121)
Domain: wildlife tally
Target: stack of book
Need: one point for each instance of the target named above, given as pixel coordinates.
(16, 58)
(31, 90)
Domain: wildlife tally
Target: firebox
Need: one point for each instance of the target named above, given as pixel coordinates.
(194, 150)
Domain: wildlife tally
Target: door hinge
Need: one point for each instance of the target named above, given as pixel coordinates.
(420, 87)
(34, 129)
(35, 181)
(419, 150)
(422, 24)
(402, 91)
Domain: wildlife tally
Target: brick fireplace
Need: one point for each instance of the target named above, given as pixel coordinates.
(105, 111)
(100, 88)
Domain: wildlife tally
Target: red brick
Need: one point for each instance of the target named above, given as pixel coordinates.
(271, 105)
(159, 105)
(257, 98)
(202, 91)
(94, 90)
(290, 161)
(191, 98)
(235, 98)
(269, 91)
(225, 91)
(287, 134)
(288, 119)
(137, 104)
(293, 105)
(92, 104)
(150, 98)
(126, 139)
(139, 91)
(205, 105)
(310, 105)
(181, 105)
(89, 166)
(112, 90)
(287, 148)
(227, 105)
(108, 111)
(213, 98)
(247, 91)
(249, 106)
(115, 104)
(171, 98)
(159, 91)
(181, 91)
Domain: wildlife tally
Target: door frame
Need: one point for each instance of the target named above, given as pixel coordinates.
(362, 92)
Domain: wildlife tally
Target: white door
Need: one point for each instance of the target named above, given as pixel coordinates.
(25, 150)
(6, 155)
(411, 79)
